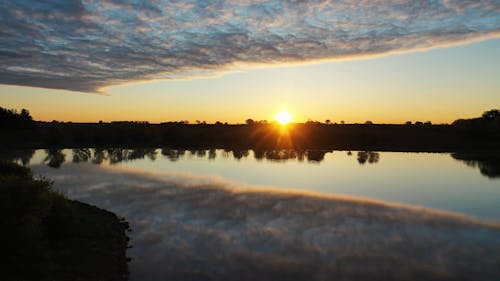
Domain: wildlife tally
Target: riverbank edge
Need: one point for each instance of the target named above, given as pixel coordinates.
(51, 237)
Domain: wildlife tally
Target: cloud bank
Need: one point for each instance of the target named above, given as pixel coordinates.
(193, 228)
(85, 45)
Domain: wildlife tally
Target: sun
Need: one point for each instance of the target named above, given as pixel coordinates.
(283, 117)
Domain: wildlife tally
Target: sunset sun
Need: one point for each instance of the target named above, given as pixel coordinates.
(283, 117)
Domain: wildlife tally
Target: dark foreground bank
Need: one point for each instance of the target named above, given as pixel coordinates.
(48, 237)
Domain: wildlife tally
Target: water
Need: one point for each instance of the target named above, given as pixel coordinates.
(434, 180)
(290, 215)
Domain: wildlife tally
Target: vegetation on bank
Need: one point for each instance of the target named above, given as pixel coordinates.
(11, 119)
(471, 134)
(49, 237)
(487, 124)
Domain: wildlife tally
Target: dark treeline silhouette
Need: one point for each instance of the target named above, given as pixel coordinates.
(13, 120)
(481, 133)
(486, 126)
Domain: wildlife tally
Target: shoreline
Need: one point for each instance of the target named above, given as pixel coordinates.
(51, 237)
(379, 137)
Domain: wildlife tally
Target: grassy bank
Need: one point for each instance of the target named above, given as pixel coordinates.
(49, 237)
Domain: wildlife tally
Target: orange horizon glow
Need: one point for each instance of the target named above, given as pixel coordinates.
(41, 112)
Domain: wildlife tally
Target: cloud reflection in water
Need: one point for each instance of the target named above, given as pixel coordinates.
(198, 228)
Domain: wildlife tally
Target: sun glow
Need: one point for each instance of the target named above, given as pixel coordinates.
(283, 117)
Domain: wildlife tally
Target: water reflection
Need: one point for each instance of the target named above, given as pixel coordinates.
(55, 158)
(22, 156)
(291, 154)
(487, 163)
(118, 155)
(368, 156)
(81, 155)
(185, 228)
(99, 156)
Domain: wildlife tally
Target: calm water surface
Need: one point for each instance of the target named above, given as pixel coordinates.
(435, 180)
(195, 214)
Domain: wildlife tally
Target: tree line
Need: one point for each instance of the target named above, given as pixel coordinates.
(11, 118)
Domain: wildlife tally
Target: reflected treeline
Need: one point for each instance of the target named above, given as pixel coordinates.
(259, 154)
(288, 154)
(19, 156)
(368, 157)
(487, 163)
(56, 157)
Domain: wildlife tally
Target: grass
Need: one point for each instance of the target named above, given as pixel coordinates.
(49, 237)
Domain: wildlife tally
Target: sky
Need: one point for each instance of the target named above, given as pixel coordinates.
(228, 60)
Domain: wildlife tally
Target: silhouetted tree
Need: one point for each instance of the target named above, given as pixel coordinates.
(315, 155)
(487, 163)
(99, 156)
(81, 155)
(141, 153)
(116, 155)
(25, 114)
(172, 154)
(370, 156)
(491, 114)
(14, 155)
(259, 153)
(240, 153)
(201, 153)
(55, 158)
(10, 118)
(280, 154)
(362, 157)
(212, 154)
(373, 157)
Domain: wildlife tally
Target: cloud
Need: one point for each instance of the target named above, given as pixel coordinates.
(87, 45)
(189, 228)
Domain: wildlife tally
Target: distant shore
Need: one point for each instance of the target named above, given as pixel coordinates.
(19, 130)
(375, 137)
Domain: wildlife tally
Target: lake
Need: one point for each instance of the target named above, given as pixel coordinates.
(435, 180)
(216, 214)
